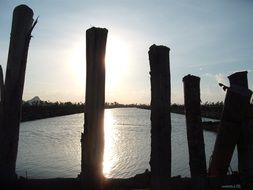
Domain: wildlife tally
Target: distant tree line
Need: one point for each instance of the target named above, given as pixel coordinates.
(211, 110)
(109, 105)
(46, 109)
(208, 109)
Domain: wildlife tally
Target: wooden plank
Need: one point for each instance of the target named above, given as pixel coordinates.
(22, 25)
(93, 136)
(160, 160)
(194, 130)
(235, 109)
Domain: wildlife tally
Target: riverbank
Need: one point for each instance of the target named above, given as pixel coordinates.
(43, 111)
(139, 181)
(48, 110)
(212, 110)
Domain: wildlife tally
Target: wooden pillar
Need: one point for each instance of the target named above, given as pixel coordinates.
(194, 128)
(245, 152)
(1, 98)
(22, 25)
(235, 110)
(93, 136)
(245, 143)
(160, 160)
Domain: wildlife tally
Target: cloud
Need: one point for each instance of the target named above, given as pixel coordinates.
(220, 78)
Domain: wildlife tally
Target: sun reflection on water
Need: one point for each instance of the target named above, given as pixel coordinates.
(109, 143)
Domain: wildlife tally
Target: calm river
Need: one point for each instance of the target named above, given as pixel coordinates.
(51, 147)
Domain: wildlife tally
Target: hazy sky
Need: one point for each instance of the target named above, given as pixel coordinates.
(210, 39)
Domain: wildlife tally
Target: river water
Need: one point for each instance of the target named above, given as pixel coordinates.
(51, 147)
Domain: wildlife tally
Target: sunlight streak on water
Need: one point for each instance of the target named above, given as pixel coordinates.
(109, 143)
(50, 148)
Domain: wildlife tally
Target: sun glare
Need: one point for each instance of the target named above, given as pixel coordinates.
(117, 60)
(77, 63)
(108, 151)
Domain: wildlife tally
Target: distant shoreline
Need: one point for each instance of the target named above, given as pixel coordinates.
(39, 112)
(33, 113)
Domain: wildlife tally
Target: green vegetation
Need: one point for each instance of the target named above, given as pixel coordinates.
(37, 109)
(212, 110)
(208, 109)
(44, 109)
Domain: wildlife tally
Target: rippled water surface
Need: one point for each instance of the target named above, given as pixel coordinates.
(51, 147)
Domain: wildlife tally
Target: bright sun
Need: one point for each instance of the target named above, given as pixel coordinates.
(77, 62)
(117, 60)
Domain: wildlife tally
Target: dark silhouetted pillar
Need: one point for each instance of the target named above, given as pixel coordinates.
(160, 160)
(93, 136)
(234, 113)
(1, 99)
(194, 128)
(245, 144)
(22, 25)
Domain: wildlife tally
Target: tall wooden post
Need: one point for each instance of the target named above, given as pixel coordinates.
(160, 160)
(194, 128)
(93, 136)
(235, 110)
(1, 98)
(245, 153)
(22, 25)
(245, 143)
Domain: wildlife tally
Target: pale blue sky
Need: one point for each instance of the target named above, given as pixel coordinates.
(210, 39)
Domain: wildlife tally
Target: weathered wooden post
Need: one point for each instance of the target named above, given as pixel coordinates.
(1, 98)
(160, 160)
(93, 136)
(22, 25)
(245, 152)
(245, 143)
(235, 110)
(194, 128)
